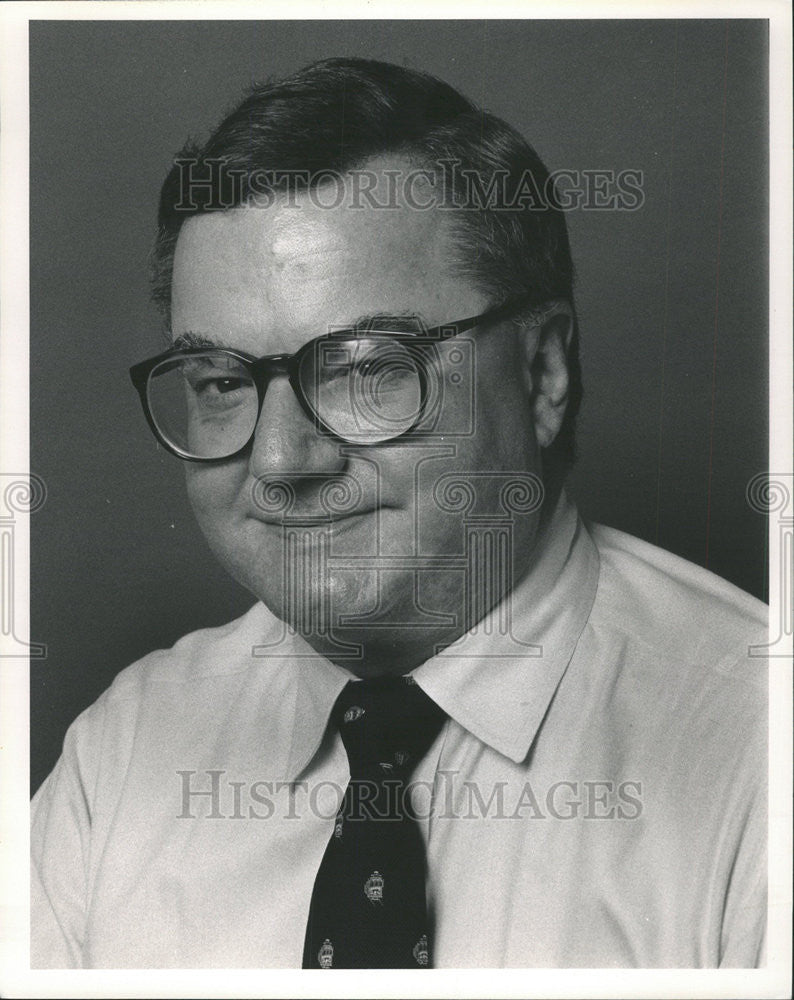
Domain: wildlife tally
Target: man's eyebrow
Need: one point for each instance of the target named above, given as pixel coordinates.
(405, 322)
(189, 339)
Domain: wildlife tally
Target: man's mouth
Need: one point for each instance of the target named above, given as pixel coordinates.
(323, 520)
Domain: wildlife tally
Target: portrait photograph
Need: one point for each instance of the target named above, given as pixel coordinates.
(397, 508)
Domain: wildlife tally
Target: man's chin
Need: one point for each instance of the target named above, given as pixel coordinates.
(312, 602)
(366, 624)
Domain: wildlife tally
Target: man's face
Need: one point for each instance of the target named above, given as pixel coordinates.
(266, 281)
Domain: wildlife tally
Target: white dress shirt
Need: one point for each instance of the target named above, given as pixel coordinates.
(597, 797)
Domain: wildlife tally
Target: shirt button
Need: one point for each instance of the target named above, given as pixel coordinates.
(353, 713)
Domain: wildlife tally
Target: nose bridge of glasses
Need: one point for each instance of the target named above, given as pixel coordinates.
(265, 369)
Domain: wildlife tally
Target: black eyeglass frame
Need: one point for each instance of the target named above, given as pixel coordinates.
(264, 369)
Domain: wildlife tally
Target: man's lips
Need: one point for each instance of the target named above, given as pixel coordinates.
(310, 520)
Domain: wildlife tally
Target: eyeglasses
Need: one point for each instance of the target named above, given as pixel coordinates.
(369, 387)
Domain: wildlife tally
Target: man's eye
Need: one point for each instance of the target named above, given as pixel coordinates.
(360, 369)
(203, 383)
(221, 385)
(342, 371)
(222, 391)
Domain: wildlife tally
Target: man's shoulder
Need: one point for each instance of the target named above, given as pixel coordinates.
(206, 652)
(675, 608)
(201, 667)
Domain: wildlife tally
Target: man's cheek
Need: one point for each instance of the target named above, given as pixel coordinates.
(213, 491)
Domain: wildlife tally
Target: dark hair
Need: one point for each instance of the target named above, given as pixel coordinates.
(334, 116)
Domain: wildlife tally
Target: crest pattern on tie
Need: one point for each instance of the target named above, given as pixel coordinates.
(368, 909)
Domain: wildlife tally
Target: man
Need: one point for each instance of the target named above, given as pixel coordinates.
(459, 727)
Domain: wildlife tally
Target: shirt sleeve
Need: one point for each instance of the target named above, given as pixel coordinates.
(60, 843)
(744, 919)
(744, 916)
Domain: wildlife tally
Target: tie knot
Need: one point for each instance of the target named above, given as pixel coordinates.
(387, 725)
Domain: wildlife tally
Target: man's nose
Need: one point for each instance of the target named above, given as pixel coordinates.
(287, 441)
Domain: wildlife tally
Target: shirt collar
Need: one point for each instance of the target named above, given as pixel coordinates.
(319, 682)
(498, 679)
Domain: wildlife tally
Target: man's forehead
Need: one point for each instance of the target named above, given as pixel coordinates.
(299, 260)
(301, 235)
(334, 218)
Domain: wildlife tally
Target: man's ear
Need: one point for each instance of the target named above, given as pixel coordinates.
(545, 342)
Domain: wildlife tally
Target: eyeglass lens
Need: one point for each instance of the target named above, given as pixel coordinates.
(365, 390)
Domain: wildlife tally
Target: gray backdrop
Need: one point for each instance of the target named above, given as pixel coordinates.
(672, 297)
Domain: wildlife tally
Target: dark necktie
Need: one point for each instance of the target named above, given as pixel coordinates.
(368, 908)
